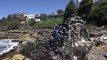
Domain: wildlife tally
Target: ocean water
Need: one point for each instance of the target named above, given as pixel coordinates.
(7, 45)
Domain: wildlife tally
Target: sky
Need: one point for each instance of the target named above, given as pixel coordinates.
(30, 6)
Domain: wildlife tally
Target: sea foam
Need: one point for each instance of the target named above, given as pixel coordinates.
(7, 45)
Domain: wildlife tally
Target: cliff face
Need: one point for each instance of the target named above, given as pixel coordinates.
(69, 41)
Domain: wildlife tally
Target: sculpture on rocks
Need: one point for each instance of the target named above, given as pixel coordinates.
(69, 41)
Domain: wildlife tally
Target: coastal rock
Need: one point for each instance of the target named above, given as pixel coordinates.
(36, 50)
(17, 57)
(100, 40)
(69, 41)
(98, 53)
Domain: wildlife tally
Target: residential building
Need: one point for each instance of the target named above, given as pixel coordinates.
(77, 2)
(31, 16)
(28, 17)
(37, 17)
(43, 16)
(24, 14)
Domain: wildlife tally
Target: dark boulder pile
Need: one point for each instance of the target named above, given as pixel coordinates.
(68, 41)
(36, 50)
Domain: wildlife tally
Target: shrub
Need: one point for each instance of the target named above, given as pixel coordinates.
(13, 25)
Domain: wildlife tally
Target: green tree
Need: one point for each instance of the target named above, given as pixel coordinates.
(85, 8)
(99, 15)
(70, 10)
(13, 25)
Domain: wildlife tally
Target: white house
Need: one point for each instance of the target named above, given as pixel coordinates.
(37, 17)
(30, 16)
(37, 20)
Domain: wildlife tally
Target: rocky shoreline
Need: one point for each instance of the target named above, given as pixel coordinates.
(69, 40)
(94, 54)
(33, 35)
(97, 52)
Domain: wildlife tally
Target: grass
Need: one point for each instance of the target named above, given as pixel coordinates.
(50, 23)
